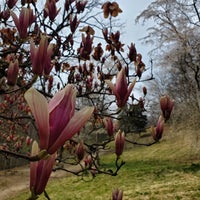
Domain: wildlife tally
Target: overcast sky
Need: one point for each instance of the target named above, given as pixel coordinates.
(132, 33)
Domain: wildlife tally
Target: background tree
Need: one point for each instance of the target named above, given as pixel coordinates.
(175, 35)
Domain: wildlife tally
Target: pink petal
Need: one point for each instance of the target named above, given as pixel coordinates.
(47, 64)
(131, 86)
(33, 50)
(15, 19)
(44, 173)
(58, 97)
(24, 21)
(42, 52)
(121, 84)
(75, 124)
(63, 105)
(39, 108)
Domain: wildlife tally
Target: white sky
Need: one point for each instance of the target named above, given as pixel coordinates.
(132, 33)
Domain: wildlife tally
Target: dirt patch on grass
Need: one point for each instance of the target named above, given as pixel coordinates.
(13, 181)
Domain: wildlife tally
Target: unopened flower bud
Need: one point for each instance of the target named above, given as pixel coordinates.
(166, 105)
(51, 9)
(109, 126)
(158, 130)
(119, 143)
(80, 151)
(11, 3)
(88, 161)
(117, 194)
(28, 140)
(80, 6)
(132, 53)
(144, 91)
(12, 73)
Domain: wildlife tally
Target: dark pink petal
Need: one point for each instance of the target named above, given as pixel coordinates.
(119, 143)
(121, 84)
(130, 88)
(75, 124)
(61, 109)
(109, 126)
(44, 171)
(36, 66)
(12, 72)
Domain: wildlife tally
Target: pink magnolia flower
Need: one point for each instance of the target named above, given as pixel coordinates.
(121, 89)
(41, 56)
(57, 120)
(111, 9)
(12, 72)
(85, 48)
(73, 23)
(80, 6)
(158, 130)
(132, 53)
(11, 3)
(166, 105)
(109, 126)
(51, 10)
(40, 172)
(68, 3)
(119, 143)
(117, 194)
(80, 151)
(26, 18)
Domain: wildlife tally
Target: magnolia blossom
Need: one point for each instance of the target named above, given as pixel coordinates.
(26, 18)
(57, 120)
(119, 143)
(41, 56)
(166, 105)
(80, 151)
(158, 130)
(51, 9)
(67, 4)
(121, 89)
(11, 3)
(85, 48)
(111, 9)
(12, 72)
(40, 172)
(109, 126)
(132, 53)
(80, 6)
(117, 194)
(73, 23)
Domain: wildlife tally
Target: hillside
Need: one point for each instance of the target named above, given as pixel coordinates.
(167, 170)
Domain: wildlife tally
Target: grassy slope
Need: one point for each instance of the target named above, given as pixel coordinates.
(167, 170)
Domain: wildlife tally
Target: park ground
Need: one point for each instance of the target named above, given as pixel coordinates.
(169, 169)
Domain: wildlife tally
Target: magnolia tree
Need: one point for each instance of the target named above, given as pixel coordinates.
(65, 79)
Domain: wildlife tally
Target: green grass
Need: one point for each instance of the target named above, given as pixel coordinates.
(167, 170)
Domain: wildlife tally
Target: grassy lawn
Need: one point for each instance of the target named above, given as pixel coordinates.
(167, 170)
